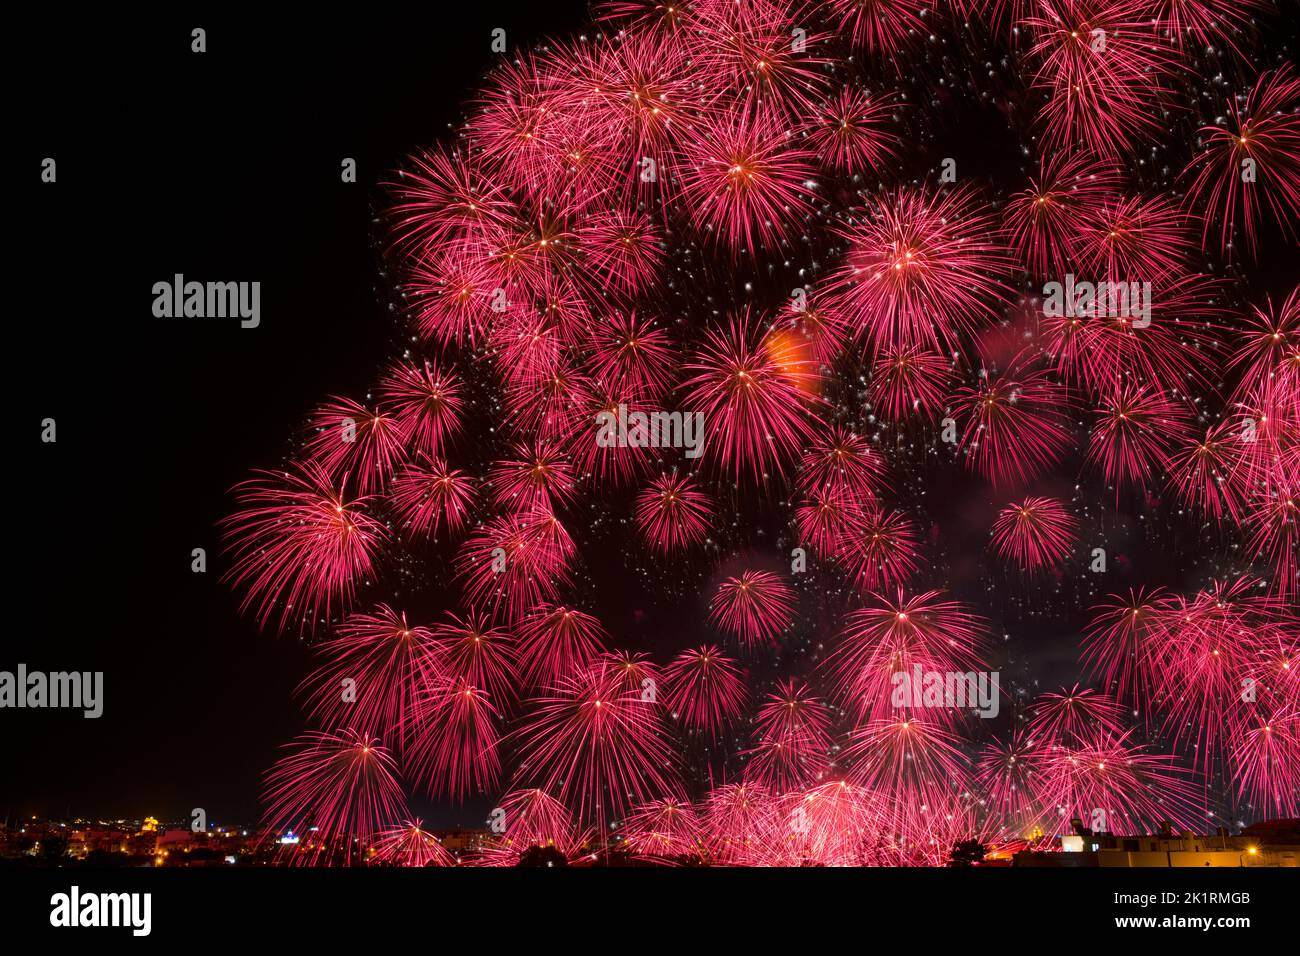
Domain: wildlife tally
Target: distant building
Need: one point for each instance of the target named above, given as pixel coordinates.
(1273, 843)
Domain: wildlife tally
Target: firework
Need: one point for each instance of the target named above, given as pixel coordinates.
(343, 788)
(631, 355)
(477, 654)
(757, 606)
(535, 478)
(921, 270)
(672, 513)
(409, 845)
(747, 181)
(1015, 428)
(1066, 718)
(908, 381)
(426, 403)
(1043, 221)
(453, 740)
(556, 642)
(600, 747)
(371, 673)
(1034, 534)
(1135, 433)
(664, 829)
(754, 389)
(1250, 164)
(706, 690)
(892, 636)
(850, 133)
(299, 547)
(794, 741)
(353, 441)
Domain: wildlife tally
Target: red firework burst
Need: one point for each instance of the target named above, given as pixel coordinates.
(342, 787)
(1037, 533)
(851, 132)
(755, 390)
(747, 181)
(1016, 426)
(299, 547)
(757, 606)
(409, 845)
(1135, 433)
(1250, 165)
(556, 642)
(793, 738)
(597, 744)
(706, 690)
(452, 751)
(371, 674)
(430, 496)
(673, 514)
(910, 381)
(353, 441)
(426, 403)
(921, 270)
(1043, 220)
(895, 636)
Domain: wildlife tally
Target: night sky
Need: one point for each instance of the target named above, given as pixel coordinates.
(226, 166)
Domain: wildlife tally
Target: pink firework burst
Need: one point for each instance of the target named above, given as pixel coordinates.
(881, 26)
(556, 642)
(756, 606)
(1117, 786)
(371, 674)
(665, 829)
(299, 547)
(452, 751)
(881, 550)
(1123, 643)
(892, 636)
(1250, 165)
(623, 251)
(1105, 71)
(535, 478)
(706, 690)
(922, 269)
(409, 845)
(1135, 433)
(440, 197)
(354, 441)
(426, 402)
(342, 787)
(793, 738)
(597, 744)
(1043, 221)
(1016, 425)
(429, 496)
(1034, 534)
(1139, 238)
(1067, 717)
(851, 133)
(478, 654)
(673, 513)
(632, 355)
(514, 562)
(1265, 760)
(755, 389)
(909, 381)
(838, 460)
(746, 180)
